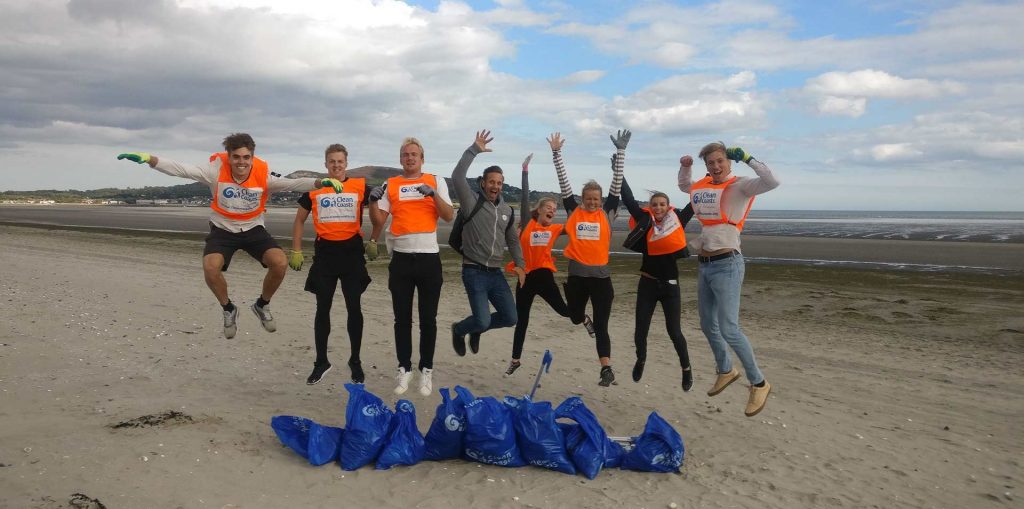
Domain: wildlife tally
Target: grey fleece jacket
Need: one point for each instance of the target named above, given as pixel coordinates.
(485, 237)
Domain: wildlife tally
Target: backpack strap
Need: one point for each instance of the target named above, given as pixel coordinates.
(476, 208)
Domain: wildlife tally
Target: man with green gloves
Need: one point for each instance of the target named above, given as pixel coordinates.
(721, 202)
(338, 256)
(240, 184)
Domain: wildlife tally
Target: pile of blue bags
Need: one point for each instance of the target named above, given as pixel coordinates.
(513, 432)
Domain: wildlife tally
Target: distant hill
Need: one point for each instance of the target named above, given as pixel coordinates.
(195, 193)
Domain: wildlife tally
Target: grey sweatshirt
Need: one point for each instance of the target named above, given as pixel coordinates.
(485, 237)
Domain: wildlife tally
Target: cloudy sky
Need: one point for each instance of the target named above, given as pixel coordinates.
(887, 105)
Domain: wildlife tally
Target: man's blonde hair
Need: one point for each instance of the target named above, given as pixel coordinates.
(412, 141)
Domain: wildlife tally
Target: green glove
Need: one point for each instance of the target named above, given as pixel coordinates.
(370, 248)
(138, 157)
(737, 154)
(335, 183)
(295, 260)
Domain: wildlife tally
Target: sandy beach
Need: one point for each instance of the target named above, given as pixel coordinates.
(891, 389)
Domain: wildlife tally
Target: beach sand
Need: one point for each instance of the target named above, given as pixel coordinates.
(891, 389)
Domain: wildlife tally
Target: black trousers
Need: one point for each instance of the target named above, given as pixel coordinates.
(538, 282)
(409, 274)
(323, 285)
(600, 293)
(649, 292)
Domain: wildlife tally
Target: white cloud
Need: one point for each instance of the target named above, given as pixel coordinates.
(873, 83)
(845, 106)
(687, 104)
(846, 93)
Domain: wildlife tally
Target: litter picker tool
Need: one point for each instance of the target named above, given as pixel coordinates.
(545, 365)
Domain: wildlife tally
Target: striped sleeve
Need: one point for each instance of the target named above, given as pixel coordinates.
(563, 179)
(616, 187)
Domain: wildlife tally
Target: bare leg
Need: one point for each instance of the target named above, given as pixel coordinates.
(277, 265)
(212, 264)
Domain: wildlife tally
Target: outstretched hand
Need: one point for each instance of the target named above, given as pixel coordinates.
(556, 141)
(334, 183)
(482, 139)
(685, 161)
(621, 139)
(138, 157)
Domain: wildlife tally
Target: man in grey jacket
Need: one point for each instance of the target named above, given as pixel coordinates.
(484, 239)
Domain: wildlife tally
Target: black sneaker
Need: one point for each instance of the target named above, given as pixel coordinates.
(358, 376)
(474, 343)
(638, 369)
(589, 324)
(607, 377)
(512, 367)
(687, 379)
(319, 370)
(458, 342)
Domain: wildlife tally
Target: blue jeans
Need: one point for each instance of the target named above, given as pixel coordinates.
(718, 300)
(483, 286)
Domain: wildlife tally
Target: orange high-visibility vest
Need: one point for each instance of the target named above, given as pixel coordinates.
(666, 237)
(590, 237)
(411, 212)
(709, 206)
(240, 201)
(537, 241)
(338, 216)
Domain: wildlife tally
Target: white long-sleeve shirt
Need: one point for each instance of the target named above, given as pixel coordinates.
(735, 199)
(209, 173)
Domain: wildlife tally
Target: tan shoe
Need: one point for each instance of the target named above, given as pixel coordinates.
(723, 381)
(758, 397)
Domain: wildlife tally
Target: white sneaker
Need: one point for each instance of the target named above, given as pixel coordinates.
(426, 381)
(404, 377)
(230, 324)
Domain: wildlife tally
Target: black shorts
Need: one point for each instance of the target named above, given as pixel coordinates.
(338, 260)
(256, 242)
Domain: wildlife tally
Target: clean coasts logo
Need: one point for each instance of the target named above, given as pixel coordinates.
(453, 423)
(705, 198)
(337, 200)
(241, 193)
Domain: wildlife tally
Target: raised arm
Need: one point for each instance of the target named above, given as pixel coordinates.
(631, 205)
(466, 196)
(685, 176)
(620, 140)
(524, 201)
(765, 180)
(556, 141)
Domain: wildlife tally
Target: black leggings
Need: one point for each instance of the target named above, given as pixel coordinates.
(352, 286)
(538, 282)
(649, 292)
(599, 291)
(409, 274)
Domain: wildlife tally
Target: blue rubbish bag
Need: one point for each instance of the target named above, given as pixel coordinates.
(490, 434)
(539, 437)
(405, 444)
(444, 439)
(317, 443)
(613, 454)
(658, 449)
(587, 441)
(367, 422)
